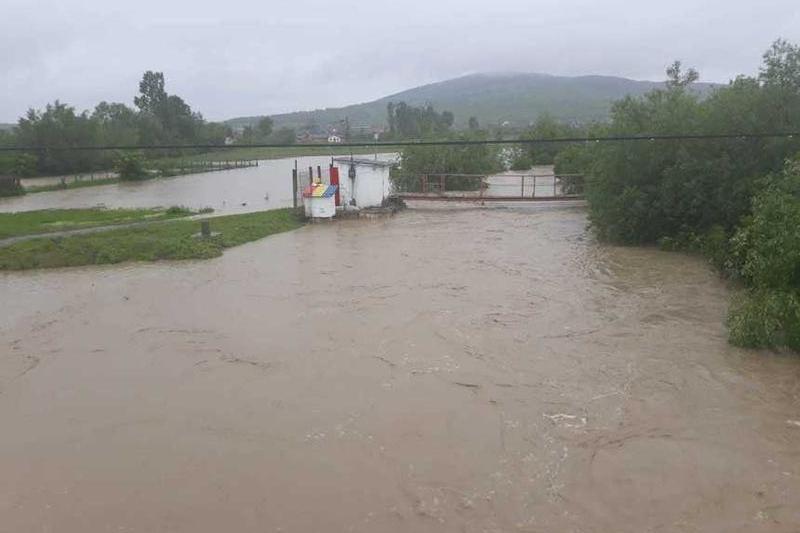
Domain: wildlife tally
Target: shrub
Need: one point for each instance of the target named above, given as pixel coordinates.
(131, 167)
(767, 246)
(766, 254)
(178, 210)
(765, 318)
(10, 186)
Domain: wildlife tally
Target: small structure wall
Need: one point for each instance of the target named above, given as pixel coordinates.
(371, 186)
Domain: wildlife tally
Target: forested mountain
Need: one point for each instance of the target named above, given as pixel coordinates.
(491, 98)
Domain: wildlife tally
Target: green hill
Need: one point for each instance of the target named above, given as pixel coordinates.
(493, 98)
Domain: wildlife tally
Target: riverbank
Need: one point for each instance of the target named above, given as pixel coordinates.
(171, 240)
(52, 220)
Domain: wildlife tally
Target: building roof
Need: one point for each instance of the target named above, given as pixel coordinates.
(319, 190)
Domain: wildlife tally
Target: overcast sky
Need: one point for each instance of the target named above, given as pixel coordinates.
(248, 57)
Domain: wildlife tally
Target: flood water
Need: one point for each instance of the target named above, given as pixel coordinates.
(464, 370)
(267, 186)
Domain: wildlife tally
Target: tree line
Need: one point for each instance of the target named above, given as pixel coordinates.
(157, 118)
(737, 201)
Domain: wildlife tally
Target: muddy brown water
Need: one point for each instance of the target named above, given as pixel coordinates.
(469, 370)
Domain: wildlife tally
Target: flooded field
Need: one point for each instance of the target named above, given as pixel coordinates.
(267, 186)
(464, 370)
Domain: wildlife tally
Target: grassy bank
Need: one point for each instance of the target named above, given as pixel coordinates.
(50, 220)
(171, 240)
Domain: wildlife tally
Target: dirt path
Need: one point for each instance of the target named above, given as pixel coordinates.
(460, 370)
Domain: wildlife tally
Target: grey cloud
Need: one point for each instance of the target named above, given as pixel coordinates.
(252, 57)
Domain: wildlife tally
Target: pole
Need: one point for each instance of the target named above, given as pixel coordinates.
(294, 187)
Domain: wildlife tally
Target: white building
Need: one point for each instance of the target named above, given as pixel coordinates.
(363, 182)
(334, 139)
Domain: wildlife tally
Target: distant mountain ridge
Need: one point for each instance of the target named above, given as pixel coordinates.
(492, 98)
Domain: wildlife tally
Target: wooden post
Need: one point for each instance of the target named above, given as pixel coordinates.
(522, 186)
(294, 187)
(311, 175)
(534, 187)
(319, 173)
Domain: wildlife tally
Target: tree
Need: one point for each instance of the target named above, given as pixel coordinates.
(782, 65)
(118, 124)
(54, 129)
(131, 167)
(165, 118)
(546, 127)
(479, 160)
(409, 122)
(677, 79)
(474, 124)
(265, 126)
(151, 92)
(646, 192)
(284, 136)
(25, 165)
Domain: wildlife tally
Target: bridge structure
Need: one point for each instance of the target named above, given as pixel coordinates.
(535, 186)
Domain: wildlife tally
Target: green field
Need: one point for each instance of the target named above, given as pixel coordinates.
(271, 153)
(51, 220)
(153, 242)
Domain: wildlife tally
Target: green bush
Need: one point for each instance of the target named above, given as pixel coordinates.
(131, 167)
(640, 192)
(10, 186)
(765, 318)
(416, 161)
(766, 254)
(767, 246)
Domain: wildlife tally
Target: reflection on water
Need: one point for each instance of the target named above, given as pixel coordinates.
(444, 370)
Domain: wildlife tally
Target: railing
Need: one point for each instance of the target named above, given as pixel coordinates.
(492, 187)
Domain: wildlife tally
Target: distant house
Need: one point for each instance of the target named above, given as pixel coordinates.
(334, 139)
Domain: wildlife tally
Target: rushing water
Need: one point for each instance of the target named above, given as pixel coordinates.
(465, 370)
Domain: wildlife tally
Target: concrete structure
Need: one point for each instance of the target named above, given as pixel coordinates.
(364, 182)
(334, 139)
(319, 201)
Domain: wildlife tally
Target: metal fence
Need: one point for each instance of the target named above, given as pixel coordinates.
(507, 186)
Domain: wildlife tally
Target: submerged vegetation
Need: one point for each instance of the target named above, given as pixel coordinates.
(736, 200)
(152, 242)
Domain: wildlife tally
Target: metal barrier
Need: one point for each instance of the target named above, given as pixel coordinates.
(499, 187)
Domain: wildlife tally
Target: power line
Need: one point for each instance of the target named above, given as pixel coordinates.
(397, 144)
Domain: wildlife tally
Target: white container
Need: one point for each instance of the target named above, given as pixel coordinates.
(321, 207)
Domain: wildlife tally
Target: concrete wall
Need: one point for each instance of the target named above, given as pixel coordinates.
(372, 185)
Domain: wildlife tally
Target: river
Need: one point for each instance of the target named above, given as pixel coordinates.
(453, 369)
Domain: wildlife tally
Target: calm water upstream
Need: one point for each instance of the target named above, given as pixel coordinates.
(268, 186)
(464, 370)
